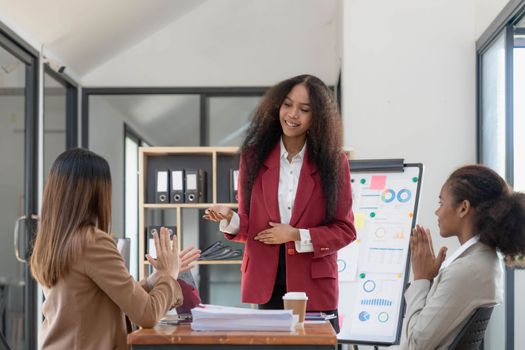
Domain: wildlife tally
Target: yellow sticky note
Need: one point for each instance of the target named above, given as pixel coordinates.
(359, 220)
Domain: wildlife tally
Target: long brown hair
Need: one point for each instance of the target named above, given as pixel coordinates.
(499, 212)
(324, 137)
(77, 199)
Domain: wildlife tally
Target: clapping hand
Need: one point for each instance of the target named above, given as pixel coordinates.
(425, 264)
(168, 261)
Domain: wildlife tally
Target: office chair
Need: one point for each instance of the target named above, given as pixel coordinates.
(472, 334)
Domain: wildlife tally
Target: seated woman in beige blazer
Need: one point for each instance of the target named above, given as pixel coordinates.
(477, 207)
(87, 287)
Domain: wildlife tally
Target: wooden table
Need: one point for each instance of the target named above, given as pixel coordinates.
(312, 336)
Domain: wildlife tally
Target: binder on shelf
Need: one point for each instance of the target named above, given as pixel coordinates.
(177, 186)
(150, 248)
(234, 182)
(195, 186)
(162, 186)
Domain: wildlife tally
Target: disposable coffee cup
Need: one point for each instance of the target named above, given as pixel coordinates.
(296, 301)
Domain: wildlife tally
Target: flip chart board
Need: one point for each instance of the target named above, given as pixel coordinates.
(373, 270)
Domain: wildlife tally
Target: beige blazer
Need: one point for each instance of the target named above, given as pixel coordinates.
(85, 310)
(437, 312)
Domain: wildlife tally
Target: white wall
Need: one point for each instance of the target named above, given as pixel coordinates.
(232, 43)
(409, 87)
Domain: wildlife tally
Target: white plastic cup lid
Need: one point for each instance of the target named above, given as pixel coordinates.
(295, 296)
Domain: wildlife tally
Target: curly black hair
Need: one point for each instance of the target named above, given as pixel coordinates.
(324, 138)
(499, 211)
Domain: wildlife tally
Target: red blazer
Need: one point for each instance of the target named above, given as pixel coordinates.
(315, 273)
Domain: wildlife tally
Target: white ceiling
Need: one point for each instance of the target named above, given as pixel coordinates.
(182, 42)
(233, 43)
(84, 34)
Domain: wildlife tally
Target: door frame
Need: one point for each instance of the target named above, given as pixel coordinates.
(71, 87)
(29, 56)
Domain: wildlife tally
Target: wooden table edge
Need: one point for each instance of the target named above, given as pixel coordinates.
(165, 334)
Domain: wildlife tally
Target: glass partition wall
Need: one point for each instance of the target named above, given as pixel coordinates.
(55, 116)
(20, 171)
(501, 145)
(492, 123)
(121, 120)
(519, 107)
(18, 119)
(229, 118)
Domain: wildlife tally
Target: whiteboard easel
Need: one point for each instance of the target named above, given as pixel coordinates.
(374, 269)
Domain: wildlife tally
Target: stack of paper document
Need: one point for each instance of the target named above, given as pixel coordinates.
(225, 318)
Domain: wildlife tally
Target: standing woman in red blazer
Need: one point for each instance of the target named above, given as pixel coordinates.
(295, 200)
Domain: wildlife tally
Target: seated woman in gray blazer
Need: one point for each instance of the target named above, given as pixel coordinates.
(87, 287)
(479, 208)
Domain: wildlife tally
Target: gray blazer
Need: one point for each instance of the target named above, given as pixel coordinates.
(437, 311)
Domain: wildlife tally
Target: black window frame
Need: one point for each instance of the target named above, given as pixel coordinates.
(71, 104)
(511, 15)
(204, 92)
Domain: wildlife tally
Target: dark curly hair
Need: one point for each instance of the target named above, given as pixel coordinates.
(324, 137)
(499, 211)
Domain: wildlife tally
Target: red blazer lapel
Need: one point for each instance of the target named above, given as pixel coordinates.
(305, 188)
(270, 184)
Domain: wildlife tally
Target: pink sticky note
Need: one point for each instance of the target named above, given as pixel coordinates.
(378, 182)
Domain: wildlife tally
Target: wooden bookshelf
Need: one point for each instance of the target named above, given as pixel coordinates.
(214, 160)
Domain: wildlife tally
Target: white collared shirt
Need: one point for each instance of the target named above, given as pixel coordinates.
(288, 181)
(459, 251)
